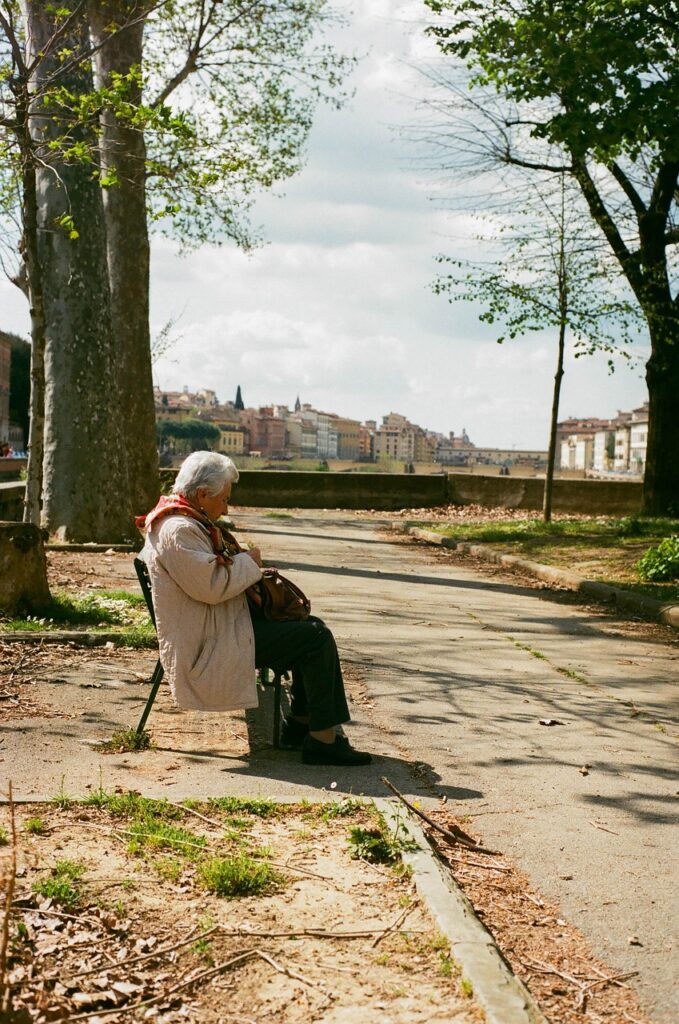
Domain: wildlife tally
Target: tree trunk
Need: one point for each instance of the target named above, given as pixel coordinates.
(23, 569)
(123, 151)
(661, 477)
(551, 454)
(86, 495)
(36, 430)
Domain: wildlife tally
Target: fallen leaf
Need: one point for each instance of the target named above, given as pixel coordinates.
(634, 940)
(550, 721)
(585, 769)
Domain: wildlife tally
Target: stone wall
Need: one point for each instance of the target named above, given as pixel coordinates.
(387, 492)
(390, 491)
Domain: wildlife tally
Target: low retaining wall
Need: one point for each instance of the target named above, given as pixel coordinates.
(387, 492)
(605, 497)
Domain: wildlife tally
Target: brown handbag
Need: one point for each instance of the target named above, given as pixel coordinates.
(278, 598)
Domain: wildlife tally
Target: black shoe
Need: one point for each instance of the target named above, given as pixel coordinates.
(339, 752)
(292, 734)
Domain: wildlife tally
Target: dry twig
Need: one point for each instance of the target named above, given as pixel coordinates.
(394, 926)
(156, 953)
(455, 836)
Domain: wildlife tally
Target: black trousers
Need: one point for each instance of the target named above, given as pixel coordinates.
(309, 650)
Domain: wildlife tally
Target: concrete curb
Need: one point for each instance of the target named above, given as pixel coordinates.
(503, 997)
(665, 613)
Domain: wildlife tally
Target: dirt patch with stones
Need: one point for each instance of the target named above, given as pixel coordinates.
(114, 916)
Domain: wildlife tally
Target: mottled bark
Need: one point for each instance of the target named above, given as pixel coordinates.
(116, 28)
(36, 430)
(85, 488)
(661, 478)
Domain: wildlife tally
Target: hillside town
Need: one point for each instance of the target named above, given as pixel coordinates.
(198, 419)
(279, 433)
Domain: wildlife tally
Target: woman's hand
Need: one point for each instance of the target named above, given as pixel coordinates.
(256, 556)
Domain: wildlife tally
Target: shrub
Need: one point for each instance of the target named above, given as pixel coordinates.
(660, 563)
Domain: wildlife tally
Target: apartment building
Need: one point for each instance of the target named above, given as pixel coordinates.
(348, 437)
(617, 445)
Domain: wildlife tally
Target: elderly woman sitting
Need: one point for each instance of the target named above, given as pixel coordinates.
(211, 638)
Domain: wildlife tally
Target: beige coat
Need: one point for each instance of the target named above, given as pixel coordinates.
(207, 646)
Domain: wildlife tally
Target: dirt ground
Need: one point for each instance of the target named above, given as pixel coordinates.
(332, 939)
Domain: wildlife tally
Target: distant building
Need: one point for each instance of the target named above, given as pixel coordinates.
(605, 446)
(348, 437)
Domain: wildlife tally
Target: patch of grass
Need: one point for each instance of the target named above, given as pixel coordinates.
(245, 805)
(571, 674)
(446, 965)
(62, 886)
(168, 868)
(126, 741)
(133, 805)
(238, 876)
(278, 515)
(531, 650)
(139, 636)
(601, 526)
(62, 800)
(105, 608)
(4, 836)
(466, 987)
(344, 808)
(203, 948)
(147, 834)
(237, 824)
(36, 826)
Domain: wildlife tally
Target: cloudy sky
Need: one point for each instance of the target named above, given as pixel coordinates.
(337, 306)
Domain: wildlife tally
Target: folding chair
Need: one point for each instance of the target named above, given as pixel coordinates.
(142, 571)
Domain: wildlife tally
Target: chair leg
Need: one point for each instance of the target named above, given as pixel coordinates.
(277, 710)
(156, 680)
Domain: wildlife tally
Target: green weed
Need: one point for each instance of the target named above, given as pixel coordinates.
(344, 808)
(168, 868)
(133, 805)
(61, 887)
(245, 805)
(238, 876)
(660, 563)
(148, 833)
(379, 845)
(446, 965)
(105, 608)
(62, 800)
(36, 826)
(202, 948)
(126, 741)
(466, 987)
(4, 836)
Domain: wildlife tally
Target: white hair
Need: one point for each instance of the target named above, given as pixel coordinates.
(204, 469)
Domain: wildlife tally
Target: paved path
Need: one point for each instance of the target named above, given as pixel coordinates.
(461, 669)
(452, 670)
